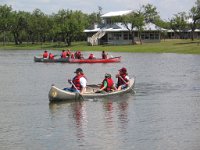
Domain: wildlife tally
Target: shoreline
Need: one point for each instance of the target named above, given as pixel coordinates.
(181, 46)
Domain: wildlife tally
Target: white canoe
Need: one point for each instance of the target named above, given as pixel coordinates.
(57, 94)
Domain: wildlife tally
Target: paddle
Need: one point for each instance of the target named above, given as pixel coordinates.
(56, 55)
(76, 89)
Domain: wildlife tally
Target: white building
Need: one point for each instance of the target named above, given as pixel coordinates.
(117, 34)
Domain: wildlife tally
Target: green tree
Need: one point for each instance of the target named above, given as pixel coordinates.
(139, 23)
(194, 14)
(92, 18)
(19, 24)
(69, 24)
(179, 24)
(164, 25)
(5, 20)
(134, 20)
(150, 13)
(39, 26)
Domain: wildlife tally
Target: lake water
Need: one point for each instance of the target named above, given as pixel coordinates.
(163, 114)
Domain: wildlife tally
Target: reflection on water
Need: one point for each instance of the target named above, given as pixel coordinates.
(112, 110)
(78, 113)
(123, 113)
(80, 116)
(116, 109)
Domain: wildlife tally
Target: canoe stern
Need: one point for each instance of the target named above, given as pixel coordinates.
(56, 94)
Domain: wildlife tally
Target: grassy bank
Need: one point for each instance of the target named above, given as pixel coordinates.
(167, 46)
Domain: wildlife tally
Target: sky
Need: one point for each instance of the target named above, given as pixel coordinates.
(166, 8)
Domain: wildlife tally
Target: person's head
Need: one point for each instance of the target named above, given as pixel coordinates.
(63, 50)
(103, 51)
(45, 51)
(123, 70)
(107, 75)
(79, 70)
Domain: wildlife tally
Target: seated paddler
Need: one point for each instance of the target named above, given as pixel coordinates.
(78, 83)
(123, 79)
(45, 54)
(107, 84)
(63, 54)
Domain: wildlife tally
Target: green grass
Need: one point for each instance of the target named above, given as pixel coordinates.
(167, 46)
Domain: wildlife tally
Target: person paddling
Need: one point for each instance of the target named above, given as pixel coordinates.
(64, 54)
(91, 56)
(51, 56)
(123, 79)
(68, 53)
(45, 54)
(104, 55)
(72, 56)
(79, 82)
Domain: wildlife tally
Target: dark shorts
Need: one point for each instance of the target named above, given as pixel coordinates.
(71, 90)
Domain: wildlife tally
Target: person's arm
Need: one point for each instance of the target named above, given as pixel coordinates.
(83, 90)
(83, 83)
(117, 75)
(114, 88)
(105, 84)
(127, 78)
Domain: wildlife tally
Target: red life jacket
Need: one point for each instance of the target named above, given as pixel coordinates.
(51, 56)
(68, 53)
(78, 55)
(76, 82)
(120, 81)
(91, 56)
(64, 54)
(110, 84)
(72, 55)
(45, 55)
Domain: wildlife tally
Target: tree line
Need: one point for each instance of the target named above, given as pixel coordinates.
(33, 27)
(68, 25)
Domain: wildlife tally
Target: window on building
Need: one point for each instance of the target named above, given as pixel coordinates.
(156, 36)
(151, 36)
(142, 36)
(136, 34)
(130, 36)
(146, 36)
(117, 36)
(126, 36)
(110, 36)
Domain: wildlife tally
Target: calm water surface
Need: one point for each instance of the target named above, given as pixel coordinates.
(163, 114)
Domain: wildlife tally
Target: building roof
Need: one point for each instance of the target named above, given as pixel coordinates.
(116, 13)
(117, 27)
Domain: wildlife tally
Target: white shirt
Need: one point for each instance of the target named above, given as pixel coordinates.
(127, 77)
(83, 82)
